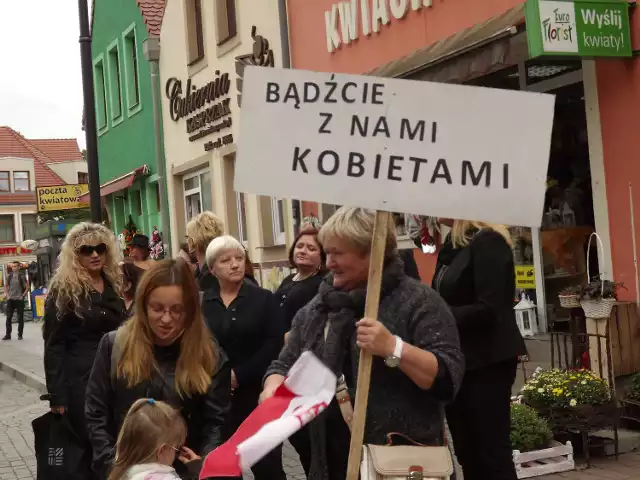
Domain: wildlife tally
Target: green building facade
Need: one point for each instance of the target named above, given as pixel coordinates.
(124, 111)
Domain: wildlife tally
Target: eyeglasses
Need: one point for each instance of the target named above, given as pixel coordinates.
(174, 312)
(87, 250)
(177, 449)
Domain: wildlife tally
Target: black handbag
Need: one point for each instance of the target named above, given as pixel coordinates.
(59, 453)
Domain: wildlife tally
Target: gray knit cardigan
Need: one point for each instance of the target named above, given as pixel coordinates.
(417, 314)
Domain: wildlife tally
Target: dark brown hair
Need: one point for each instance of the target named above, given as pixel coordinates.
(131, 273)
(313, 233)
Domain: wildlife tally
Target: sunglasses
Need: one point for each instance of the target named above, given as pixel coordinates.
(87, 250)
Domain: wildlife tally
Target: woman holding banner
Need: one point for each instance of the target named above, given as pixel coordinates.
(417, 364)
(475, 275)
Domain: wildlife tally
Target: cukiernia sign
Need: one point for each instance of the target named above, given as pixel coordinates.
(586, 28)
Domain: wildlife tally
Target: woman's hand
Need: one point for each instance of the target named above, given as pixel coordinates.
(187, 455)
(271, 384)
(374, 337)
(58, 410)
(234, 380)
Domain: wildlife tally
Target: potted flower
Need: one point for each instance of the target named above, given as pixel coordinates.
(598, 297)
(631, 399)
(570, 398)
(570, 296)
(529, 431)
(534, 450)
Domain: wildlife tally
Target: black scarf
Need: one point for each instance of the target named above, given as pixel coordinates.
(340, 310)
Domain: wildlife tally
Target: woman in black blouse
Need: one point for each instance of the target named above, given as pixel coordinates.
(475, 275)
(308, 258)
(247, 323)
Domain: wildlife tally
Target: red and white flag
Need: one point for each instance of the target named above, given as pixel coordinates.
(307, 391)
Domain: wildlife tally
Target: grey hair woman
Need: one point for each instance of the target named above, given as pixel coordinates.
(417, 367)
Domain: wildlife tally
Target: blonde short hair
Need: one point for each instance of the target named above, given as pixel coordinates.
(220, 245)
(203, 228)
(354, 226)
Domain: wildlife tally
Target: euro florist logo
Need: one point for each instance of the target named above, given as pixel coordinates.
(558, 388)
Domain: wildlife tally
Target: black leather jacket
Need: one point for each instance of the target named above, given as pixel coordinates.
(105, 408)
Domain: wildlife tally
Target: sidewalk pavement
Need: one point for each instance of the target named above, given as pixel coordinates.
(23, 360)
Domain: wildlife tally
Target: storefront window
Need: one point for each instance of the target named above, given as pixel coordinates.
(29, 225)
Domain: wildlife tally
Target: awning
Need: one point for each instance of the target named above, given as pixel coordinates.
(120, 183)
(496, 34)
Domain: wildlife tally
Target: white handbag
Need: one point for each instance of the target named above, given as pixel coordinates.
(391, 462)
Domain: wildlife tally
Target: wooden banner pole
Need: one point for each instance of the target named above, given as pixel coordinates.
(364, 368)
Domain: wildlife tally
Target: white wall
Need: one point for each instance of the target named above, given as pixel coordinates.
(68, 171)
(21, 165)
(173, 63)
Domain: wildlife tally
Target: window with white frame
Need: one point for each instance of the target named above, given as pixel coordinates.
(277, 219)
(7, 229)
(241, 210)
(197, 193)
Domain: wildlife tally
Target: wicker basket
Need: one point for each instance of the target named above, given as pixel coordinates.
(598, 308)
(569, 301)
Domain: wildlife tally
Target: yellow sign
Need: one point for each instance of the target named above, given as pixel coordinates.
(525, 277)
(40, 305)
(64, 197)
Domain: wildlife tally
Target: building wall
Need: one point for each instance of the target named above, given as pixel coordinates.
(68, 171)
(124, 204)
(186, 157)
(126, 143)
(19, 165)
(394, 40)
(619, 100)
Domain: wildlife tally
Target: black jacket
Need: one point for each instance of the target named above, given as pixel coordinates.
(410, 265)
(250, 331)
(71, 342)
(292, 296)
(105, 408)
(478, 283)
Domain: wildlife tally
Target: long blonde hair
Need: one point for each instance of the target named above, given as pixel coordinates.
(71, 283)
(198, 357)
(148, 425)
(461, 232)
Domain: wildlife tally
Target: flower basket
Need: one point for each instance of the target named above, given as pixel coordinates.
(581, 417)
(599, 296)
(598, 308)
(569, 301)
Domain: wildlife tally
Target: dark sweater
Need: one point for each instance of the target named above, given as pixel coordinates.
(420, 317)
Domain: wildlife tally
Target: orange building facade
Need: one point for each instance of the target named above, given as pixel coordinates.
(463, 41)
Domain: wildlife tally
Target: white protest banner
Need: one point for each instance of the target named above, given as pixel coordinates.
(395, 145)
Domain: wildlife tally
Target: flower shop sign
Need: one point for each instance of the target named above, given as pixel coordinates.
(585, 28)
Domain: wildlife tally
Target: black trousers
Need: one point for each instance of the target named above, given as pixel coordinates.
(337, 446)
(242, 404)
(15, 306)
(480, 422)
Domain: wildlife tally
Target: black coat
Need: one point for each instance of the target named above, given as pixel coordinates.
(250, 331)
(206, 415)
(478, 283)
(71, 342)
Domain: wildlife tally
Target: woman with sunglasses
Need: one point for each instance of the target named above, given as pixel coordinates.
(83, 304)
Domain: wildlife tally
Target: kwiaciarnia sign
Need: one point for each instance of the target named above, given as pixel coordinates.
(585, 28)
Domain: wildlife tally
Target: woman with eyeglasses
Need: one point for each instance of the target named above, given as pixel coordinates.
(165, 352)
(82, 305)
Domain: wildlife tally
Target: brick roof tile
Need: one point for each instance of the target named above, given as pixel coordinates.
(59, 149)
(152, 12)
(12, 144)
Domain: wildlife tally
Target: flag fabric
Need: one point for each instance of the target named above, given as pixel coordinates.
(307, 391)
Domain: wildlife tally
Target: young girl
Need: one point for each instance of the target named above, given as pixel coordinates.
(152, 435)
